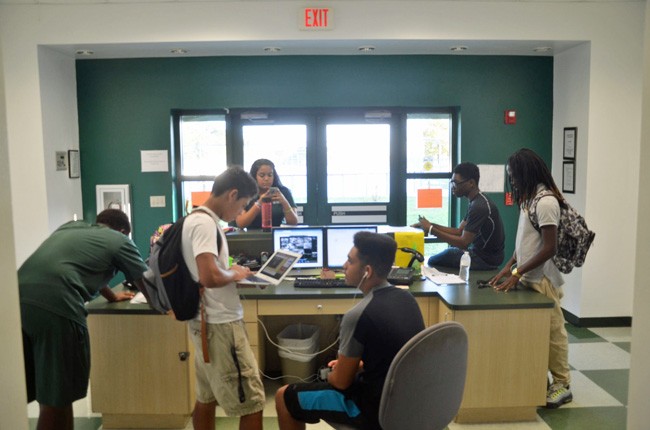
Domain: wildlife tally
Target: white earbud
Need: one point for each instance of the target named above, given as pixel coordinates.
(363, 278)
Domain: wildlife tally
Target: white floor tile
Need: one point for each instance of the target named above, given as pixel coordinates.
(614, 334)
(587, 393)
(532, 425)
(598, 355)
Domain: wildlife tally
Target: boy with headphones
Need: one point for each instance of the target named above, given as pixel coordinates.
(370, 338)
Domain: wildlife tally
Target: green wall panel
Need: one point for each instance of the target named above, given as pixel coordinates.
(125, 104)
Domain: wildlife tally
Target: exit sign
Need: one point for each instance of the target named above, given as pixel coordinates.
(316, 18)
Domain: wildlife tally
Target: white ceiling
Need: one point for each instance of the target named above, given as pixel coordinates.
(301, 47)
(317, 47)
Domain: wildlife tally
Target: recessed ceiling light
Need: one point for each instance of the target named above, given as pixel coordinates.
(458, 48)
(179, 51)
(366, 48)
(543, 49)
(86, 52)
(272, 49)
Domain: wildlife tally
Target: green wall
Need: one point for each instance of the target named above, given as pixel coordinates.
(124, 107)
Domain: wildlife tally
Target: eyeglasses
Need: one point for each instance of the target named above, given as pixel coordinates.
(457, 183)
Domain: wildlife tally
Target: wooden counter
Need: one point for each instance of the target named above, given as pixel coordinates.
(508, 349)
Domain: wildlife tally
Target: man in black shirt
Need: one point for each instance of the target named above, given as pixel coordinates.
(480, 232)
(372, 333)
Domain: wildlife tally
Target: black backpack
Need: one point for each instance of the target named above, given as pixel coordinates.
(168, 283)
(573, 237)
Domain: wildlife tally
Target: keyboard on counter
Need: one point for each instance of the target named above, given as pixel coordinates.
(320, 283)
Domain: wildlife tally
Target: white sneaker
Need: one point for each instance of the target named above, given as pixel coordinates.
(557, 395)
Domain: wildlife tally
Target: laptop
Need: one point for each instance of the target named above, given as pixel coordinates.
(276, 268)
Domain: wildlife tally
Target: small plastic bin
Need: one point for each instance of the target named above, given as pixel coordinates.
(298, 347)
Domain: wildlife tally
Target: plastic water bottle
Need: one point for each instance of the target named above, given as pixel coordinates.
(465, 262)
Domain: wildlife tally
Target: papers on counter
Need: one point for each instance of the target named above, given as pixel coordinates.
(440, 278)
(139, 298)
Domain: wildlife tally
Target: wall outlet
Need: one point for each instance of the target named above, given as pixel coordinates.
(61, 160)
(157, 201)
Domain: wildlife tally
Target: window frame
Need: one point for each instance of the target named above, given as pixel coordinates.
(315, 120)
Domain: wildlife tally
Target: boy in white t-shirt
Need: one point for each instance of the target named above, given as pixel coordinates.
(231, 378)
(532, 266)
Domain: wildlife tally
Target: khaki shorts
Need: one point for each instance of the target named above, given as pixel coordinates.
(238, 391)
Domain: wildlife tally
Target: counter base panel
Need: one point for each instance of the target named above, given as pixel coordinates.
(495, 415)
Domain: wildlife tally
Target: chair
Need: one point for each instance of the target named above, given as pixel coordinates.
(425, 382)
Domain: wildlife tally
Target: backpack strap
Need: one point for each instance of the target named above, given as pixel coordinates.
(532, 207)
(204, 320)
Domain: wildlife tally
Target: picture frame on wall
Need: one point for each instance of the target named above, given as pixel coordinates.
(114, 197)
(570, 141)
(569, 177)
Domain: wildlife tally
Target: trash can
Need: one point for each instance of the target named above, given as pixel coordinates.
(298, 348)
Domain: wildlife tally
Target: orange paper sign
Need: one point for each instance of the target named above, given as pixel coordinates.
(430, 198)
(199, 197)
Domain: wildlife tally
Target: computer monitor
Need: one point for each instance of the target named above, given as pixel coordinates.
(339, 241)
(307, 240)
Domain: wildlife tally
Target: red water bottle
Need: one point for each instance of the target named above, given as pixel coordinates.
(267, 214)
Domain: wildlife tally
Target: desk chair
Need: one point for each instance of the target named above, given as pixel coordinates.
(425, 382)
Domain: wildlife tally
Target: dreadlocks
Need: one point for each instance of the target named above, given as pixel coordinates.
(527, 170)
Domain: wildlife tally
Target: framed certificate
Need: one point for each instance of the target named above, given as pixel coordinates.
(569, 177)
(570, 140)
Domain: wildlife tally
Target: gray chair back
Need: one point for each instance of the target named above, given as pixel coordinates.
(425, 382)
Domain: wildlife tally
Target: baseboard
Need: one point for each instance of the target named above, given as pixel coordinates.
(597, 322)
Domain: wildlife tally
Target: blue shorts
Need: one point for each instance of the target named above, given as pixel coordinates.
(312, 402)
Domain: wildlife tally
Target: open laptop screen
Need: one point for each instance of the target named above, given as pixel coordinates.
(305, 240)
(340, 240)
(279, 264)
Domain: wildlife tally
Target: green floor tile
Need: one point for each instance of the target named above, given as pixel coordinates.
(627, 346)
(579, 334)
(614, 381)
(609, 418)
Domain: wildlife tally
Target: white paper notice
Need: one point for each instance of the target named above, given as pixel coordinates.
(154, 161)
(440, 278)
(492, 178)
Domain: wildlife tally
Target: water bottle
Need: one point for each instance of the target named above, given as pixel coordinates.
(267, 211)
(465, 262)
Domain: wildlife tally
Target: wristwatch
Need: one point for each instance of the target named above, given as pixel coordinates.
(516, 273)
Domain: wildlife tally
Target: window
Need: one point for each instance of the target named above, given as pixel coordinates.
(286, 146)
(358, 163)
(201, 143)
(429, 150)
(349, 166)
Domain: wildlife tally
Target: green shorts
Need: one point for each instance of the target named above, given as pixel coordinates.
(232, 377)
(57, 357)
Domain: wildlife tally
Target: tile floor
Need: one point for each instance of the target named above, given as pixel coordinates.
(600, 362)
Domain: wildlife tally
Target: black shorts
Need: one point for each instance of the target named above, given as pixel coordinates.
(57, 357)
(316, 401)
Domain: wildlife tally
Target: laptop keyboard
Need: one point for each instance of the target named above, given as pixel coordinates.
(320, 283)
(254, 278)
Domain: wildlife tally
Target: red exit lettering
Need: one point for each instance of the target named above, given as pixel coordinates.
(316, 18)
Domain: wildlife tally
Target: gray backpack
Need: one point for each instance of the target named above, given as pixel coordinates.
(573, 237)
